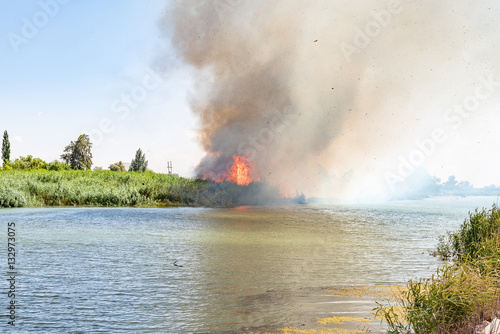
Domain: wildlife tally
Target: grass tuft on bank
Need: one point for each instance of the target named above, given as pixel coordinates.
(461, 294)
(109, 189)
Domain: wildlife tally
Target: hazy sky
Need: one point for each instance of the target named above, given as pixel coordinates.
(373, 89)
(104, 68)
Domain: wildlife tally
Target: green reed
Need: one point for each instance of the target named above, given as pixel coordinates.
(108, 188)
(461, 294)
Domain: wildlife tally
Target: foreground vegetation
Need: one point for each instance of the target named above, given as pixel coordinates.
(461, 295)
(107, 188)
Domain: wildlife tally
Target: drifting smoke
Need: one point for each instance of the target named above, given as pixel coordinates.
(311, 89)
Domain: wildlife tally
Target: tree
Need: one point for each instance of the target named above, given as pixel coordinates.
(139, 164)
(56, 165)
(23, 162)
(452, 182)
(117, 167)
(78, 154)
(28, 163)
(5, 148)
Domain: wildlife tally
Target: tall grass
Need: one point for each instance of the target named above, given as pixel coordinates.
(107, 188)
(461, 294)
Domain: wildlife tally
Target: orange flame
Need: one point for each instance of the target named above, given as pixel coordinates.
(239, 172)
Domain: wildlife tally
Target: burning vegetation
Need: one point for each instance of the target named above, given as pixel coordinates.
(240, 172)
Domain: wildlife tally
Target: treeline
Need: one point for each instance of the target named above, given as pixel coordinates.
(422, 185)
(30, 163)
(76, 156)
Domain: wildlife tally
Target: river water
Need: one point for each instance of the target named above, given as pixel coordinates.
(111, 270)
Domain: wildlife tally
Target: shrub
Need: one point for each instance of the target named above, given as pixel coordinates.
(56, 166)
(117, 167)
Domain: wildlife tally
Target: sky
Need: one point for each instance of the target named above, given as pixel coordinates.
(74, 72)
(105, 68)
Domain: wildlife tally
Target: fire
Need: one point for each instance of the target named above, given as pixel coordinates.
(239, 172)
(287, 194)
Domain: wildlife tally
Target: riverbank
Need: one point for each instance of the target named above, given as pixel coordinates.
(124, 189)
(353, 313)
(463, 295)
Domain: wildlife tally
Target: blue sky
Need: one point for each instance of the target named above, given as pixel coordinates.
(67, 77)
(104, 68)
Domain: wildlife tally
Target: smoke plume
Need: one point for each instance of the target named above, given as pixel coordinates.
(323, 96)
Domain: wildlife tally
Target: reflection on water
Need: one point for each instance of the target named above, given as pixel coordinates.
(111, 270)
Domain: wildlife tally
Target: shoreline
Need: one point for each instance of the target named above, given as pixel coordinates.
(38, 188)
(342, 309)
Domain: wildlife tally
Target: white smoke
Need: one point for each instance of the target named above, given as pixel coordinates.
(326, 97)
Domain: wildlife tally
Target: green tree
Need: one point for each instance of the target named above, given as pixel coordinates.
(78, 154)
(117, 167)
(139, 164)
(23, 162)
(28, 163)
(5, 148)
(56, 165)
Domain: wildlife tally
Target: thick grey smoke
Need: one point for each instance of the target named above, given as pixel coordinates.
(307, 89)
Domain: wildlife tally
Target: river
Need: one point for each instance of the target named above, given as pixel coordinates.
(111, 270)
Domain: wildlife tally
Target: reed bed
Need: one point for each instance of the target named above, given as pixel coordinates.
(107, 188)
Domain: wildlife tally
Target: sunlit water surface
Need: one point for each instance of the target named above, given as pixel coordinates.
(106, 270)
